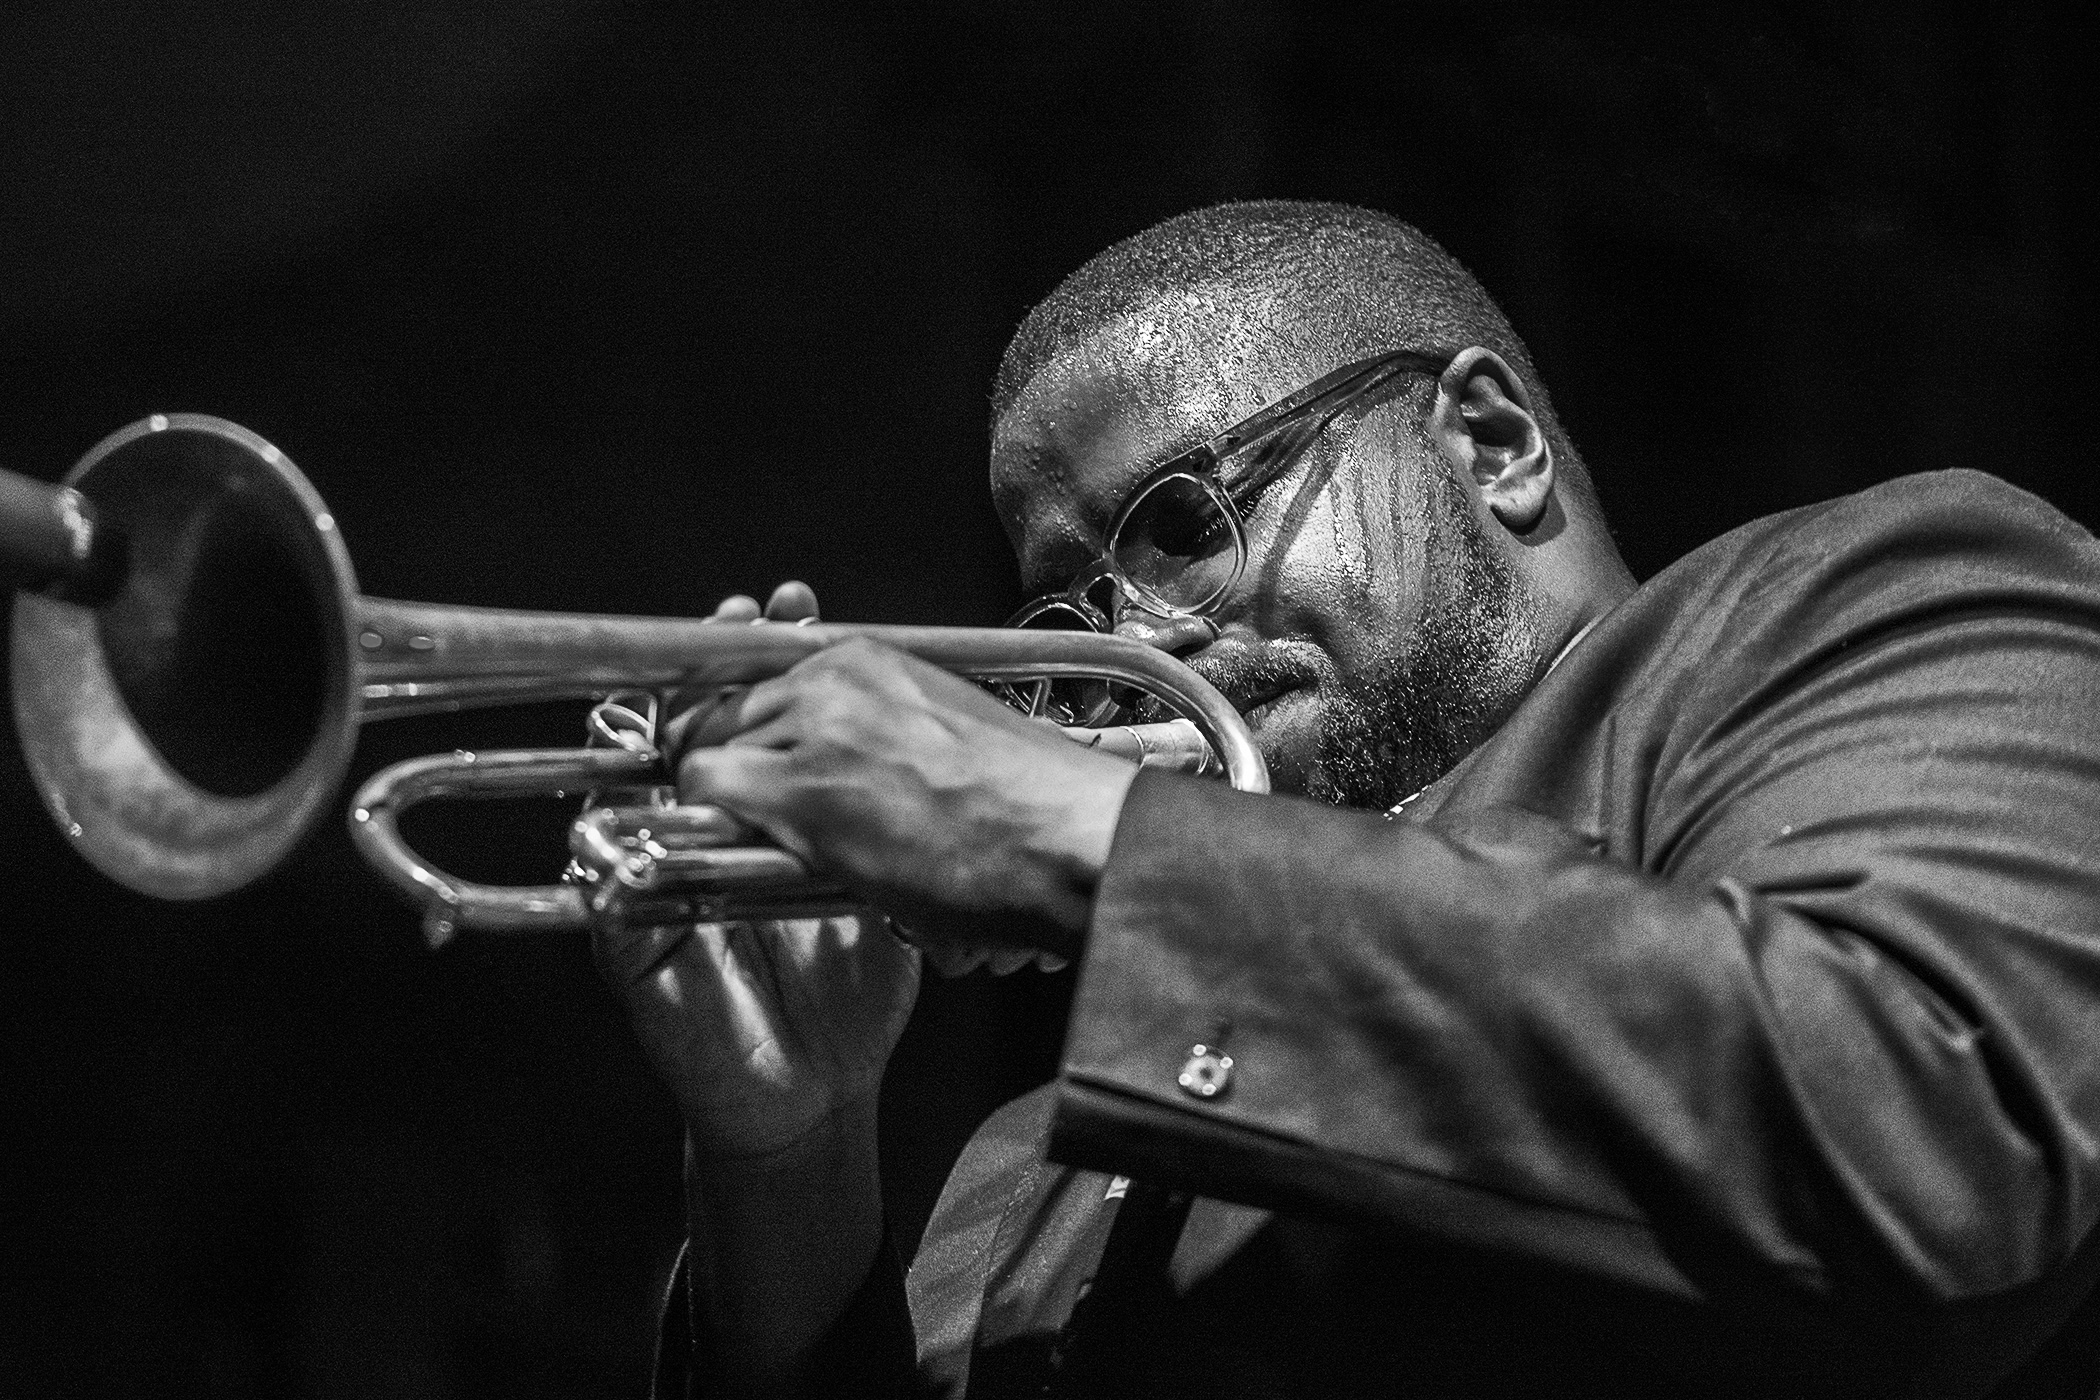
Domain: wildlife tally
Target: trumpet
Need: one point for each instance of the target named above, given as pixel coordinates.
(192, 663)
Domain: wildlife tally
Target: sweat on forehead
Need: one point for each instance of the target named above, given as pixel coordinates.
(1339, 273)
(1136, 390)
(1220, 310)
(1195, 358)
(1177, 354)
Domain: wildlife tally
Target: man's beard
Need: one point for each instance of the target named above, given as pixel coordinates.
(1387, 735)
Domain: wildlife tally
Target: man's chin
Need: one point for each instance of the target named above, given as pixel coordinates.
(1318, 745)
(1287, 731)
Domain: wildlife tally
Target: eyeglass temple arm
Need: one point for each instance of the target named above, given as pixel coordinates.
(1293, 422)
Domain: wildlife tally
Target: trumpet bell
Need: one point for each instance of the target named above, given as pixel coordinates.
(186, 732)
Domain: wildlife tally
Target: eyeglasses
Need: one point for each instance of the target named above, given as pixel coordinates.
(1178, 543)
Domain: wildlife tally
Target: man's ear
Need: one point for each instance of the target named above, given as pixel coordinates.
(1484, 423)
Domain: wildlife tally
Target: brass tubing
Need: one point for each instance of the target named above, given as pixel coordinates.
(414, 657)
(234, 584)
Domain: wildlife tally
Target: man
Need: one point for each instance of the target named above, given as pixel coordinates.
(1711, 1016)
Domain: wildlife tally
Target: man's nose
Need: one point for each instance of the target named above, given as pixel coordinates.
(1176, 636)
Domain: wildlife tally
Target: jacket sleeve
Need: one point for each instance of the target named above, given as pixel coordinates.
(1812, 1009)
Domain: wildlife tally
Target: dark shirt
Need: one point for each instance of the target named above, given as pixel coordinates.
(1725, 1025)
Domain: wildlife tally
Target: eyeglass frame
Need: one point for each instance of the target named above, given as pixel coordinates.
(1305, 414)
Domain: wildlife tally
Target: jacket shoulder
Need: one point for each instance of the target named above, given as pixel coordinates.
(1930, 517)
(1937, 543)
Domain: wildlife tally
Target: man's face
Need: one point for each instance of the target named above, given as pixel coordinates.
(1377, 634)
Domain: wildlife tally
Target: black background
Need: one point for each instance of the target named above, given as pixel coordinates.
(619, 307)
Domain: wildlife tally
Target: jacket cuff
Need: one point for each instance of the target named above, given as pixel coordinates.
(1172, 1020)
(1188, 1065)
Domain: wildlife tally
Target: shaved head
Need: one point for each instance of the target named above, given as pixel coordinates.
(1307, 285)
(1408, 575)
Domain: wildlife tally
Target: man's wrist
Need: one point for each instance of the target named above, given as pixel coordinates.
(782, 1240)
(1094, 831)
(848, 1132)
(1076, 842)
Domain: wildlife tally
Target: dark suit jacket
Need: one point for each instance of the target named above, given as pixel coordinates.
(1728, 1024)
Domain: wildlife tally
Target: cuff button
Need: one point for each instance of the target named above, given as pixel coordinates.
(1206, 1073)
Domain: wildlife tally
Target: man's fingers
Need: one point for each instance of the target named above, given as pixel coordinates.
(627, 955)
(792, 602)
(711, 719)
(728, 714)
(742, 779)
(748, 782)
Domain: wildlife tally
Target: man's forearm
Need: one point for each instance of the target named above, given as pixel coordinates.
(1479, 1030)
(780, 1245)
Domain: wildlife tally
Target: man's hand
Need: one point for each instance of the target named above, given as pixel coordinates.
(969, 822)
(771, 1033)
(767, 1033)
(773, 1036)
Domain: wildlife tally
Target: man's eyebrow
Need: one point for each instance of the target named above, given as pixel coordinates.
(1074, 549)
(1186, 439)
(1178, 444)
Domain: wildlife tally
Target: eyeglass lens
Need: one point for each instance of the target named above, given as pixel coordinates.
(1181, 541)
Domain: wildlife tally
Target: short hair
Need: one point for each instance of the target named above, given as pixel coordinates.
(1355, 281)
